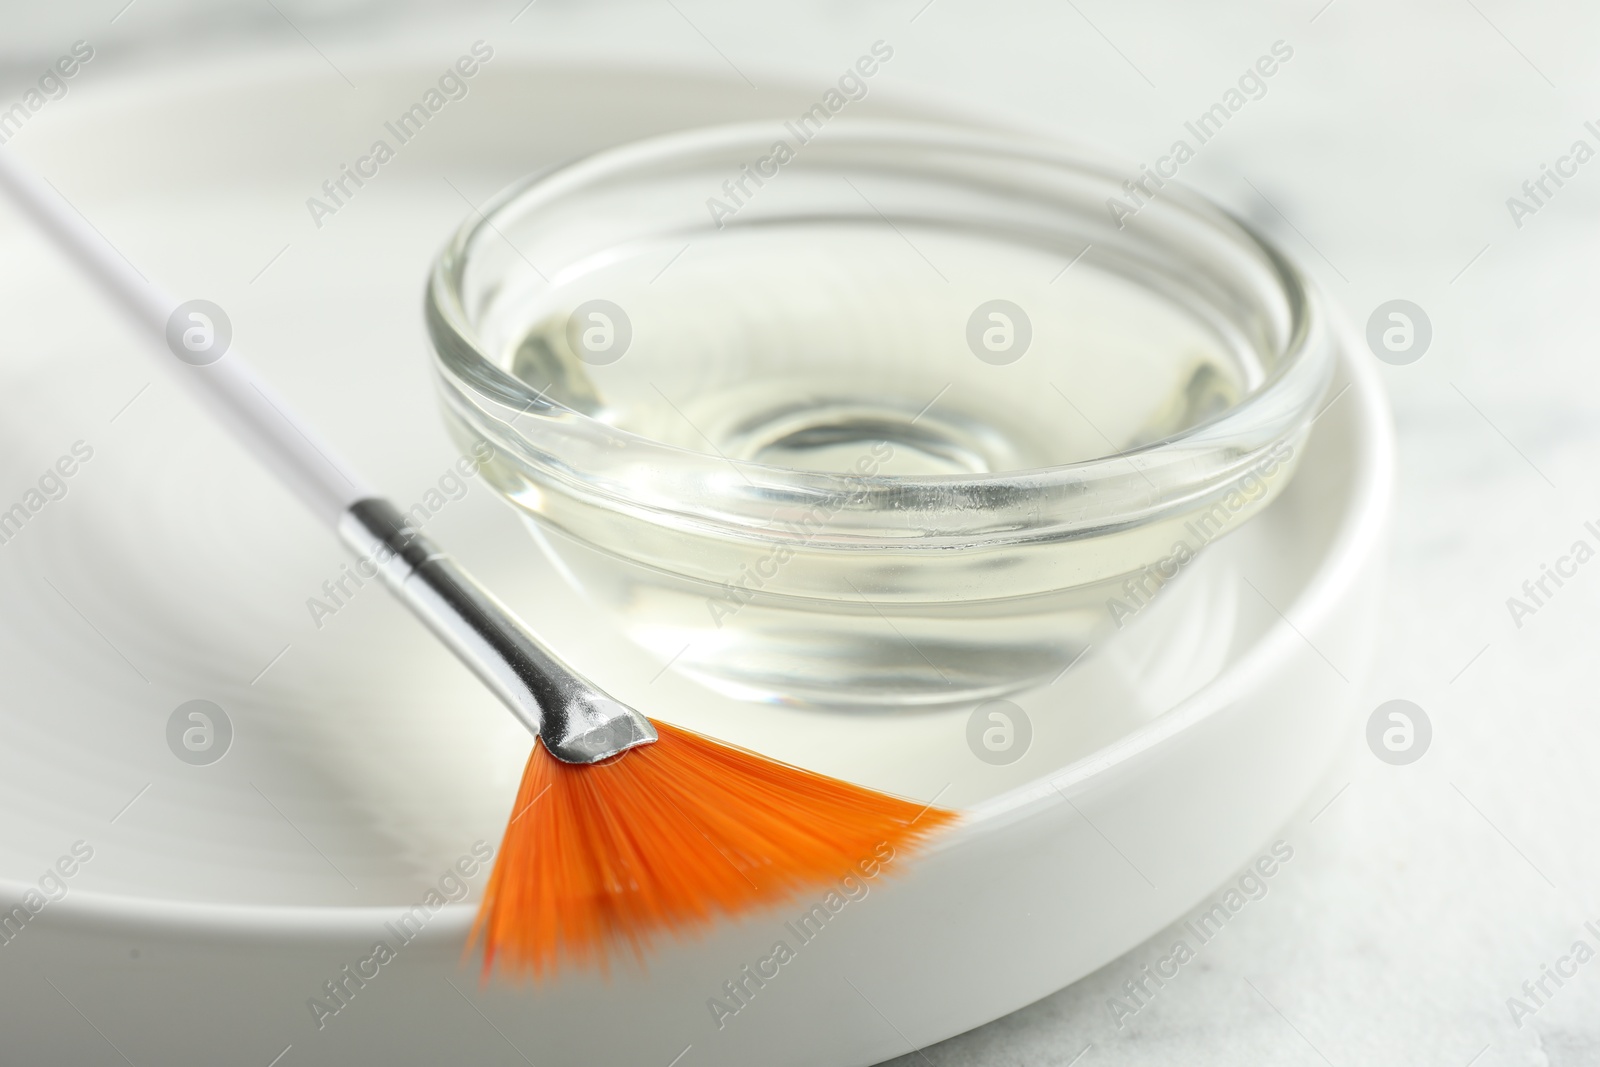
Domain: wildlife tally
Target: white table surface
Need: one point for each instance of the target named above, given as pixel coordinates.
(1381, 157)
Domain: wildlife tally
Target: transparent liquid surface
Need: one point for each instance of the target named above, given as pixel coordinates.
(806, 347)
(852, 348)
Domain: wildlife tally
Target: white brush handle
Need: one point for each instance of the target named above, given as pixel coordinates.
(576, 721)
(241, 401)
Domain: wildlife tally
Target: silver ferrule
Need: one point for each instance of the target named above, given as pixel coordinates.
(576, 721)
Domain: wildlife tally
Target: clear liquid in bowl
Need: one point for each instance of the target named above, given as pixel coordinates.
(820, 346)
(805, 347)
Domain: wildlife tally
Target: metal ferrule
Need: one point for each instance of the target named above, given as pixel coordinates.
(576, 721)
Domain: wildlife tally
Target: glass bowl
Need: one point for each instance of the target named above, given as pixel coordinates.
(883, 415)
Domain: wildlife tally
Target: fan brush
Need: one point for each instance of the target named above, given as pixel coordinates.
(623, 829)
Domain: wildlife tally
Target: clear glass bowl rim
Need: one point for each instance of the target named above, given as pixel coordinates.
(1107, 493)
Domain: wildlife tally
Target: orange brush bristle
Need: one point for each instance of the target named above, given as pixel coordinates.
(665, 838)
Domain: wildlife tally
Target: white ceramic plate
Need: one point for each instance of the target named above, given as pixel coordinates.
(364, 761)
